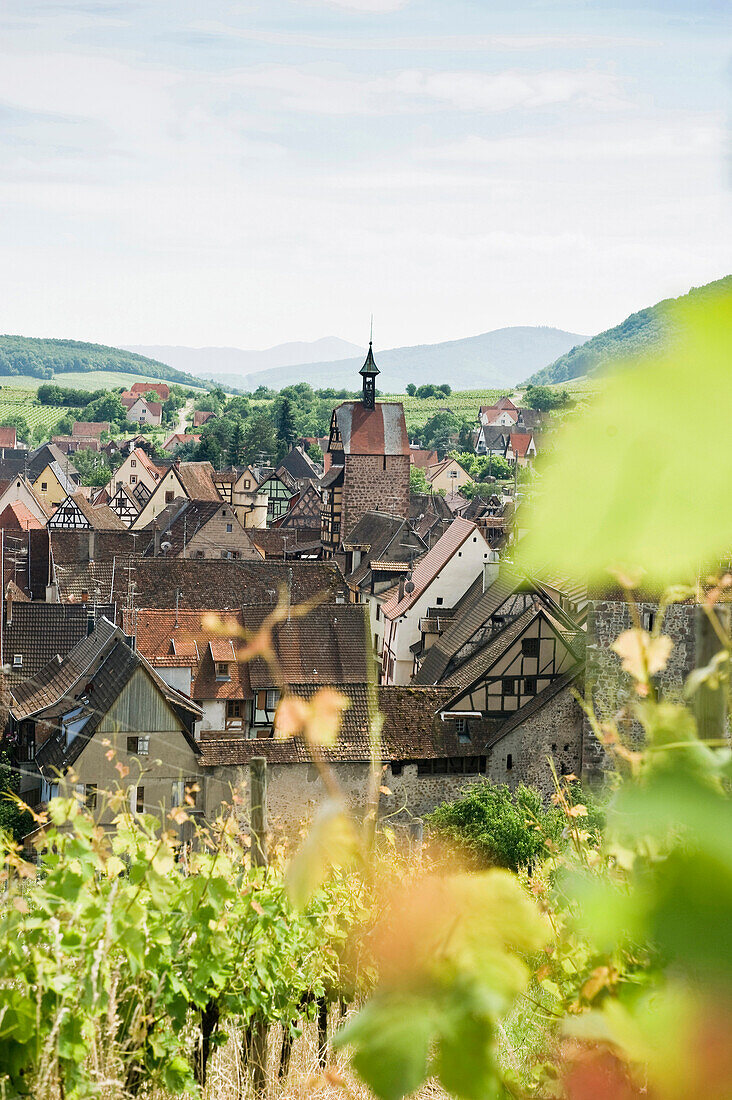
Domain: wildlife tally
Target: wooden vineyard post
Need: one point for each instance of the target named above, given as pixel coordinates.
(710, 703)
(258, 825)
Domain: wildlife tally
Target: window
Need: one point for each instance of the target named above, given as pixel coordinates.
(530, 685)
(509, 685)
(222, 670)
(378, 612)
(234, 708)
(530, 647)
(247, 484)
(454, 473)
(137, 800)
(199, 553)
(229, 528)
(396, 768)
(138, 746)
(169, 496)
(509, 762)
(133, 462)
(17, 660)
(647, 620)
(87, 793)
(133, 479)
(438, 601)
(44, 486)
(273, 698)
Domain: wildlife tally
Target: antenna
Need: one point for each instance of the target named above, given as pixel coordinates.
(371, 333)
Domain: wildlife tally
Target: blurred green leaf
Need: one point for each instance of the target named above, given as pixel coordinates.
(611, 497)
(391, 1035)
(331, 842)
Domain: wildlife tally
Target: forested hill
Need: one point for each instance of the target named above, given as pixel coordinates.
(639, 333)
(43, 358)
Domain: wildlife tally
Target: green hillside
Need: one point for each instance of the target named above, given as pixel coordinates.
(44, 359)
(639, 333)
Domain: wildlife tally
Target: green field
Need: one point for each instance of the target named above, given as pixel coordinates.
(463, 403)
(81, 380)
(15, 401)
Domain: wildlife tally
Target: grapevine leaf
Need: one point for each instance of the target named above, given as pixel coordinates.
(391, 1037)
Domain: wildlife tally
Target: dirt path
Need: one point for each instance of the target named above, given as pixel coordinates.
(184, 416)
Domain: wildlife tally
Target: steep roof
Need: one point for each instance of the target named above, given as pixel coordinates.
(298, 465)
(378, 431)
(422, 458)
(180, 521)
(168, 637)
(327, 646)
(16, 517)
(520, 443)
(8, 436)
(38, 632)
(100, 517)
(162, 389)
(472, 618)
(197, 480)
(430, 566)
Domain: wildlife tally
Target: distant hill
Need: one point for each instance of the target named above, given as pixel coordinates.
(639, 333)
(496, 359)
(230, 365)
(42, 358)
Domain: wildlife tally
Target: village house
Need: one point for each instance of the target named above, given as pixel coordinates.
(8, 436)
(197, 529)
(101, 706)
(137, 469)
(177, 440)
(142, 411)
(280, 488)
(447, 476)
(200, 417)
(19, 491)
(54, 484)
(521, 448)
(77, 513)
(191, 480)
(304, 511)
(162, 389)
(125, 504)
(367, 465)
(439, 579)
(238, 486)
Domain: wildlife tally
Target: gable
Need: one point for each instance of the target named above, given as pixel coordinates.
(140, 708)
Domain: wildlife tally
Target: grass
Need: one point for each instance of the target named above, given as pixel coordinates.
(83, 380)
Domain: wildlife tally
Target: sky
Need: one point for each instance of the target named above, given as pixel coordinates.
(248, 172)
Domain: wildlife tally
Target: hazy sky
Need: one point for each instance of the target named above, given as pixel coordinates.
(247, 172)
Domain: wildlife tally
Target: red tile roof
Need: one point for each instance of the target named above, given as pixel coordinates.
(422, 458)
(16, 517)
(188, 644)
(162, 389)
(430, 566)
(520, 443)
(8, 436)
(90, 429)
(378, 431)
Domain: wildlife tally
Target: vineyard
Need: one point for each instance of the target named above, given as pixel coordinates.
(464, 404)
(23, 402)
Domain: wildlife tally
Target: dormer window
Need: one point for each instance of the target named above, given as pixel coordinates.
(222, 670)
(17, 660)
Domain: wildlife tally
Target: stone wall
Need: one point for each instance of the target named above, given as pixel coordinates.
(295, 790)
(609, 688)
(374, 483)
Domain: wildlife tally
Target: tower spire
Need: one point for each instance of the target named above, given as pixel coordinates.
(368, 372)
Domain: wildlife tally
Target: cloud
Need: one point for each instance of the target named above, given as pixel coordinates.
(370, 6)
(415, 91)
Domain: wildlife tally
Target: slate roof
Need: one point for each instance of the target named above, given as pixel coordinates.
(298, 465)
(496, 437)
(218, 584)
(478, 608)
(383, 537)
(65, 480)
(49, 453)
(274, 542)
(39, 632)
(327, 646)
(430, 566)
(378, 431)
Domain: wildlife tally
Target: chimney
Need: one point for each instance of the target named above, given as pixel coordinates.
(92, 543)
(156, 541)
(490, 571)
(401, 589)
(8, 607)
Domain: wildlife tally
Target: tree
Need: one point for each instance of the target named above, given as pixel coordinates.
(418, 482)
(92, 467)
(235, 454)
(108, 407)
(260, 439)
(314, 452)
(411, 389)
(440, 431)
(447, 390)
(65, 426)
(544, 398)
(285, 424)
(15, 420)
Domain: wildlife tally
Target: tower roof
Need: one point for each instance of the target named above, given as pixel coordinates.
(369, 366)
